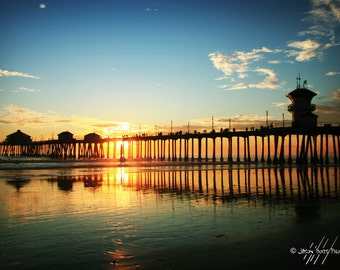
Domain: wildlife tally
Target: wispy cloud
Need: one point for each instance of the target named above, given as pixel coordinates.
(333, 73)
(42, 5)
(42, 122)
(328, 108)
(236, 62)
(326, 11)
(237, 66)
(305, 50)
(237, 86)
(239, 120)
(324, 17)
(15, 115)
(25, 89)
(335, 95)
(6, 73)
(281, 105)
(274, 62)
(270, 81)
(151, 9)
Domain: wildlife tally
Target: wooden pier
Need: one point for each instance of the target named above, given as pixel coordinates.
(320, 145)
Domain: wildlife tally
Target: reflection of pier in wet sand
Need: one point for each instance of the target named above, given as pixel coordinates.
(320, 145)
(210, 210)
(221, 185)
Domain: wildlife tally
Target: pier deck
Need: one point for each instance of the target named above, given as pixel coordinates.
(272, 145)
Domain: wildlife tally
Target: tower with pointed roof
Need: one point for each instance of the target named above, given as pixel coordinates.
(301, 107)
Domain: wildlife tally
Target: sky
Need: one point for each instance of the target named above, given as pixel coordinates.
(134, 66)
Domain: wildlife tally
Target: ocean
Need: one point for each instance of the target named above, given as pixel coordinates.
(102, 215)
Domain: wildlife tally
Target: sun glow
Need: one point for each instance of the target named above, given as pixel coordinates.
(122, 176)
(122, 148)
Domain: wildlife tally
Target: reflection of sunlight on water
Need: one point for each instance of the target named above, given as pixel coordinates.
(179, 217)
(121, 176)
(117, 258)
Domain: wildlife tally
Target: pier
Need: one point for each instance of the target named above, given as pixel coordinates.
(304, 142)
(319, 145)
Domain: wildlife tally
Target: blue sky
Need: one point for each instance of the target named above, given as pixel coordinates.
(118, 67)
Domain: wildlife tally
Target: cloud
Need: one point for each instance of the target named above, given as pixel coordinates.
(329, 113)
(335, 95)
(270, 81)
(274, 62)
(237, 65)
(306, 50)
(16, 117)
(237, 121)
(236, 62)
(328, 108)
(151, 9)
(25, 89)
(326, 11)
(42, 5)
(6, 73)
(281, 105)
(324, 17)
(237, 86)
(240, 119)
(333, 73)
(242, 76)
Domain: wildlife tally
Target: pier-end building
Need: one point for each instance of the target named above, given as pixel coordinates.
(301, 107)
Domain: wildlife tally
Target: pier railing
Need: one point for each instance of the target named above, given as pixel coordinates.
(319, 145)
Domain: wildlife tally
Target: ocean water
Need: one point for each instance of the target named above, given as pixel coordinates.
(169, 217)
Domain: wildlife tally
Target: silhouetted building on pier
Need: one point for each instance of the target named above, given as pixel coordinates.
(18, 138)
(301, 107)
(65, 136)
(91, 137)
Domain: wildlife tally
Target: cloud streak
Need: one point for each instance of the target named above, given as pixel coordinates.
(6, 73)
(241, 121)
(333, 73)
(25, 89)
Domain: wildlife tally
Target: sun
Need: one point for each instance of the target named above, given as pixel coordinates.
(122, 148)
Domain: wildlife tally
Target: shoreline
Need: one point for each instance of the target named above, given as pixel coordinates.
(42, 163)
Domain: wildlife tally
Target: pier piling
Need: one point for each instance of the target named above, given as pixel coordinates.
(316, 146)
